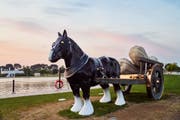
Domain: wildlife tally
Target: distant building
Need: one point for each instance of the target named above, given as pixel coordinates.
(11, 73)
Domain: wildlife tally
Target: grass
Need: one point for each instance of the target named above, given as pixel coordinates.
(100, 110)
(9, 107)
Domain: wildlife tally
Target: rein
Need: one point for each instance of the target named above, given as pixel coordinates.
(70, 71)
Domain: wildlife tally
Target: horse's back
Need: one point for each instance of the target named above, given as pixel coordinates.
(111, 66)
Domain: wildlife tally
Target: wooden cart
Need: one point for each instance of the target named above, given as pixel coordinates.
(150, 73)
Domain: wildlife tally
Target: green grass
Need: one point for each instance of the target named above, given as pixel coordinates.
(10, 106)
(171, 85)
(100, 110)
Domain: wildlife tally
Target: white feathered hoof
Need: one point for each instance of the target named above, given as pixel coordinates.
(106, 97)
(120, 98)
(87, 108)
(77, 104)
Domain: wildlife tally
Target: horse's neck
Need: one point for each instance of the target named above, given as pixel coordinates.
(74, 56)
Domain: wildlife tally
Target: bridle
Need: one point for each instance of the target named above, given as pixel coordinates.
(70, 71)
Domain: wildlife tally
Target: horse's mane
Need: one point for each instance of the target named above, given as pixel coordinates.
(76, 47)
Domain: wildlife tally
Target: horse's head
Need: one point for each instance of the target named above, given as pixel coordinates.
(60, 48)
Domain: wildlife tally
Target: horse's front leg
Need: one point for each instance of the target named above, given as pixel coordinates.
(77, 99)
(87, 108)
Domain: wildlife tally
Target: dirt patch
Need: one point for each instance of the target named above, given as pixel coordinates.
(167, 109)
(45, 112)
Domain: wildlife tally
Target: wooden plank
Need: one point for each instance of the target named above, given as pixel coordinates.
(132, 76)
(149, 61)
(121, 81)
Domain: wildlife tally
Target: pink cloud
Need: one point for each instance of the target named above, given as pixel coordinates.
(118, 45)
(24, 26)
(12, 53)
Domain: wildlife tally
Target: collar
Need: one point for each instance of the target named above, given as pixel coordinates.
(70, 71)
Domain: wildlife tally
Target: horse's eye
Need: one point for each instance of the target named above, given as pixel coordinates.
(62, 42)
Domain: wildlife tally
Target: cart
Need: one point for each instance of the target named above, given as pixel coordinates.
(150, 73)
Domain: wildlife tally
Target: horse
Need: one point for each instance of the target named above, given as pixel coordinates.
(81, 72)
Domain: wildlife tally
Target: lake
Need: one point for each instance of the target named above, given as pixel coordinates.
(25, 86)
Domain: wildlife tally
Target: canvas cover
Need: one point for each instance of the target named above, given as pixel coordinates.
(135, 53)
(153, 58)
(127, 67)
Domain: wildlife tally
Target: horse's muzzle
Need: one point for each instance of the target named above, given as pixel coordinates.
(50, 56)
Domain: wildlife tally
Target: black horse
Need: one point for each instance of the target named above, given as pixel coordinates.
(81, 71)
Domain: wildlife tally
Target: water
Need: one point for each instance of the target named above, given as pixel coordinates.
(30, 86)
(27, 86)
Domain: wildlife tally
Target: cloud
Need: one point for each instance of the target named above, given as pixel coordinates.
(24, 26)
(19, 3)
(117, 45)
(67, 8)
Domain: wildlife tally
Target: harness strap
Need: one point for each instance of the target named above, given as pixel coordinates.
(69, 72)
(99, 66)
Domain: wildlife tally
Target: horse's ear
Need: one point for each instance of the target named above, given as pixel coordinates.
(64, 34)
(59, 34)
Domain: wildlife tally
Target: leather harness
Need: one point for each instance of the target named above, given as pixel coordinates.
(99, 67)
(70, 71)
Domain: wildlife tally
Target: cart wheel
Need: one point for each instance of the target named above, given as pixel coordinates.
(126, 88)
(155, 83)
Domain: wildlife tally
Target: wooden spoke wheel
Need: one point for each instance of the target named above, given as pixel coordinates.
(126, 88)
(155, 82)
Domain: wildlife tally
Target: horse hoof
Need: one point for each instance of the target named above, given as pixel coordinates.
(120, 99)
(104, 100)
(87, 109)
(77, 104)
(106, 97)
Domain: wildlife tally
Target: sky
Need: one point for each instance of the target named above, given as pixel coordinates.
(100, 27)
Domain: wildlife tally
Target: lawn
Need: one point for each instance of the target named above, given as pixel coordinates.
(9, 106)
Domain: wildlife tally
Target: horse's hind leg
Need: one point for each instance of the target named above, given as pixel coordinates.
(77, 100)
(107, 96)
(120, 98)
(87, 108)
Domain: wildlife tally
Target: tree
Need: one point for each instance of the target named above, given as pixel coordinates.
(54, 71)
(9, 66)
(172, 67)
(44, 71)
(17, 66)
(27, 71)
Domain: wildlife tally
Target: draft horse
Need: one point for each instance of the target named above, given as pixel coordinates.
(81, 71)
